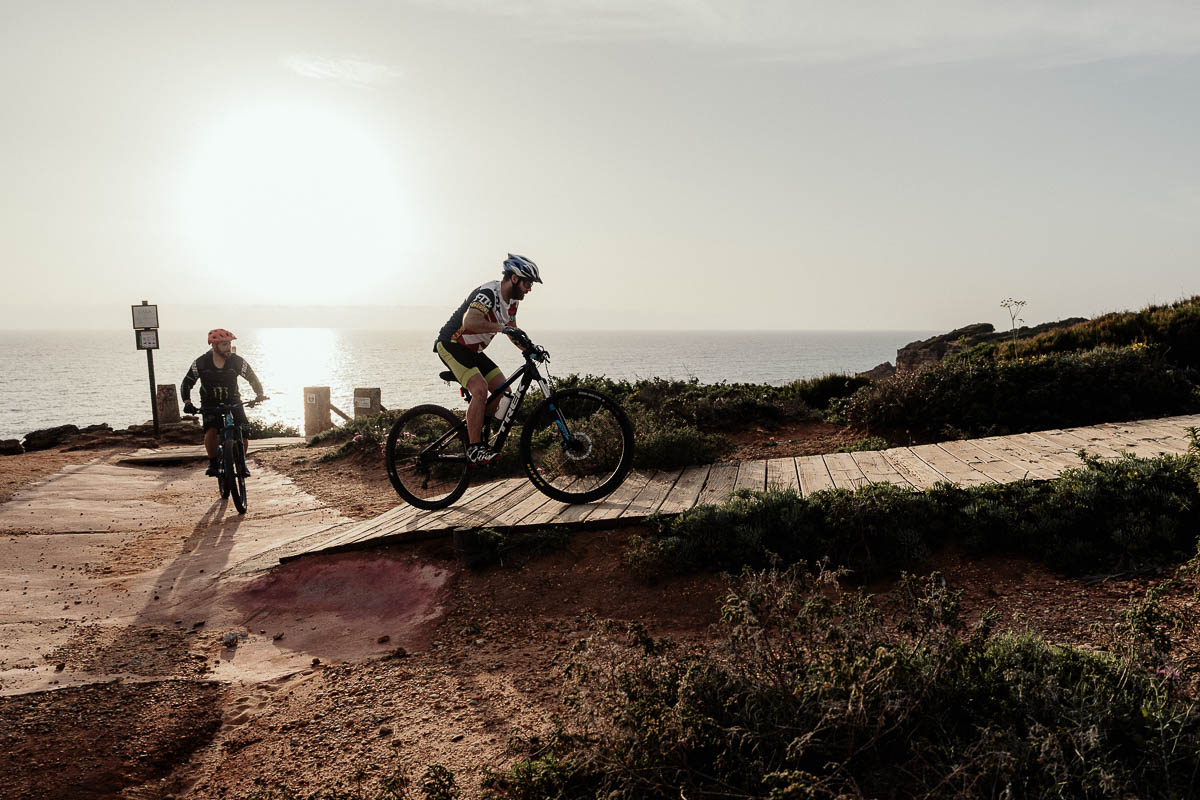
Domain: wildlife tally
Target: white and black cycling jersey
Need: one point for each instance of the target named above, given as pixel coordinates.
(491, 303)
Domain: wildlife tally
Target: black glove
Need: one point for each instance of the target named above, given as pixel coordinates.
(257, 400)
(188, 408)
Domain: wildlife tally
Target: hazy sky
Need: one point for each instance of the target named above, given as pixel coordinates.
(668, 163)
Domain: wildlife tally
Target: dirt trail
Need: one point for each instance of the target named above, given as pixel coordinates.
(138, 573)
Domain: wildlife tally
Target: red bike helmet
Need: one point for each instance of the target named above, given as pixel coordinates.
(220, 335)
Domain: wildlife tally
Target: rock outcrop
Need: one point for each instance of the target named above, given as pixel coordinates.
(46, 438)
(11, 447)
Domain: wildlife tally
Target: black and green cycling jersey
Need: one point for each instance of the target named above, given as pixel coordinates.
(218, 384)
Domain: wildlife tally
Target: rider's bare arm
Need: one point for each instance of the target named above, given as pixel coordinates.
(475, 321)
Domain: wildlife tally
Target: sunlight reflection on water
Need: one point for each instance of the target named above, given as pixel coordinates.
(53, 378)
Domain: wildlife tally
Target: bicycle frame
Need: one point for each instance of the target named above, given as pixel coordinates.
(527, 374)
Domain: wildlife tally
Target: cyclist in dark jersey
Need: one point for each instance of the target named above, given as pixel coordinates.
(488, 310)
(218, 371)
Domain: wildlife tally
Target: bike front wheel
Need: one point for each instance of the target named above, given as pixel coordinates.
(222, 462)
(237, 476)
(577, 445)
(426, 457)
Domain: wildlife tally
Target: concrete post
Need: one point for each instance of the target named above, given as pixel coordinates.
(316, 410)
(367, 402)
(167, 400)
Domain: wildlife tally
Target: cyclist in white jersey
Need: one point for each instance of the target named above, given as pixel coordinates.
(488, 310)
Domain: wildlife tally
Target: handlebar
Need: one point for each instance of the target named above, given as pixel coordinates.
(219, 408)
(521, 339)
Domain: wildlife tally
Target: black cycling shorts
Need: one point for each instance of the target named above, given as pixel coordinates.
(465, 362)
(214, 420)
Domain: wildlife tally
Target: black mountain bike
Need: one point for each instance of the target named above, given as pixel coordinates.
(576, 445)
(231, 453)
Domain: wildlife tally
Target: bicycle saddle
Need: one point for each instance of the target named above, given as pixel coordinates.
(447, 376)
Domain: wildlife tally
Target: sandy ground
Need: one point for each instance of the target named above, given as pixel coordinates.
(120, 585)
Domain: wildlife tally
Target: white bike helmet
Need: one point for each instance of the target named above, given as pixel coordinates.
(522, 267)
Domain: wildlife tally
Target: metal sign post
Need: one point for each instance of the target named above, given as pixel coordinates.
(145, 329)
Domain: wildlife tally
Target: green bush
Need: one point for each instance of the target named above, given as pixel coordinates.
(982, 397)
(268, 430)
(1100, 516)
(359, 436)
(1175, 328)
(664, 443)
(809, 692)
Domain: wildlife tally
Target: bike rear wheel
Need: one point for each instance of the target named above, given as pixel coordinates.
(426, 457)
(577, 445)
(238, 482)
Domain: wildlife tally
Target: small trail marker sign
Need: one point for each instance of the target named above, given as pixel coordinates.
(145, 330)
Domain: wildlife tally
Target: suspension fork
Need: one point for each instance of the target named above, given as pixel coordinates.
(559, 420)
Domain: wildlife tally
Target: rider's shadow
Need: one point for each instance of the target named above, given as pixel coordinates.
(204, 553)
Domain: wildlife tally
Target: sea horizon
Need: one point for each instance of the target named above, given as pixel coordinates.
(87, 377)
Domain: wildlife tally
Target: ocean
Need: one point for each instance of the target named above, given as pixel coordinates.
(88, 377)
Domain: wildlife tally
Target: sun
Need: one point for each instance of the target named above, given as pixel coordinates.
(295, 203)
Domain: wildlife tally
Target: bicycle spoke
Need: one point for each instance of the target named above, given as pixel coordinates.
(579, 446)
(426, 457)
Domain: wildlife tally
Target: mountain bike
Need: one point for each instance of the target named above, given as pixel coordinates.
(576, 445)
(231, 453)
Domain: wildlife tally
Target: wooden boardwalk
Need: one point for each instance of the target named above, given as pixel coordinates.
(196, 452)
(514, 503)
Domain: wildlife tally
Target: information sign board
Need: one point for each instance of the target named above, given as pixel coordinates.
(145, 316)
(147, 340)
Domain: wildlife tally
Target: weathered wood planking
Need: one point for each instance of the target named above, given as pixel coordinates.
(516, 503)
(719, 485)
(782, 475)
(878, 469)
(814, 474)
(751, 475)
(915, 471)
(955, 469)
(686, 490)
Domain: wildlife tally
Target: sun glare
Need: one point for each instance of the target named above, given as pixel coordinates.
(296, 203)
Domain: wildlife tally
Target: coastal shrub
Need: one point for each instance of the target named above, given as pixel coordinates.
(819, 393)
(711, 405)
(866, 443)
(810, 692)
(268, 430)
(1175, 328)
(1100, 516)
(359, 436)
(661, 442)
(981, 397)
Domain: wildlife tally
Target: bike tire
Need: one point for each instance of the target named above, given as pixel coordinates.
(428, 480)
(238, 488)
(222, 483)
(599, 460)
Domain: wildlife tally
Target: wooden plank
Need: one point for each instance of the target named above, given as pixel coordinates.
(612, 506)
(686, 490)
(719, 485)
(1120, 437)
(813, 474)
(1030, 464)
(1074, 443)
(996, 468)
(782, 475)
(549, 512)
(489, 517)
(878, 469)
(477, 509)
(652, 494)
(751, 475)
(1057, 456)
(954, 469)
(393, 518)
(1172, 439)
(844, 470)
(521, 509)
(915, 471)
